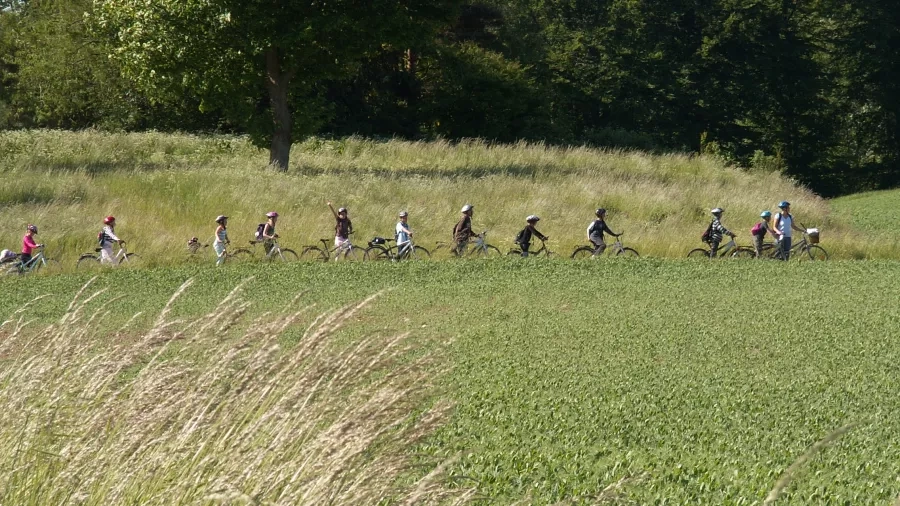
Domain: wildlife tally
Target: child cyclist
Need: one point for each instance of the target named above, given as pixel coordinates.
(523, 238)
(759, 232)
(343, 227)
(28, 244)
(403, 235)
(462, 231)
(221, 239)
(268, 235)
(107, 237)
(595, 232)
(717, 231)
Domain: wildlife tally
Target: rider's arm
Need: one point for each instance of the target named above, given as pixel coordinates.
(112, 236)
(540, 235)
(266, 232)
(332, 210)
(349, 226)
(609, 231)
(795, 227)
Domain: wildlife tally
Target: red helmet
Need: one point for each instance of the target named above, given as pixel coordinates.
(108, 220)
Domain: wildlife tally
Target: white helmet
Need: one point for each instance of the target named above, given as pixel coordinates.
(466, 208)
(531, 218)
(403, 214)
(717, 211)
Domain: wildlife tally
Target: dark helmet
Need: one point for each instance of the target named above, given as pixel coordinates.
(600, 212)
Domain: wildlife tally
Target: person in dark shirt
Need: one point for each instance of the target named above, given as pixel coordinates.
(596, 230)
(343, 227)
(462, 232)
(523, 239)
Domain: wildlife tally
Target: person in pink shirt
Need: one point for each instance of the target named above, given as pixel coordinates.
(28, 244)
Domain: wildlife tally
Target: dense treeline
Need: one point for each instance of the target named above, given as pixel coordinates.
(808, 88)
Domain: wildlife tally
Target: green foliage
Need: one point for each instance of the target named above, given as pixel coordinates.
(652, 380)
(873, 212)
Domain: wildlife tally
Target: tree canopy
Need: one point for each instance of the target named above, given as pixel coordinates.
(803, 87)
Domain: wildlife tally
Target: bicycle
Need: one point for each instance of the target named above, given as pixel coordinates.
(316, 253)
(275, 253)
(38, 261)
(479, 248)
(88, 260)
(806, 245)
(543, 250)
(379, 250)
(728, 249)
(583, 252)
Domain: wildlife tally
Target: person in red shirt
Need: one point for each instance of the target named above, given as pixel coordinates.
(28, 244)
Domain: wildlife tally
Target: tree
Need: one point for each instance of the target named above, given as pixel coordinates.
(263, 62)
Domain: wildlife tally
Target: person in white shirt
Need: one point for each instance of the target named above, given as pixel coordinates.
(784, 224)
(107, 238)
(403, 235)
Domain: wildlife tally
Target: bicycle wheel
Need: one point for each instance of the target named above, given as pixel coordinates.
(52, 265)
(239, 255)
(514, 253)
(419, 253)
(130, 259)
(628, 253)
(698, 253)
(817, 253)
(88, 261)
(488, 251)
(377, 253)
(745, 253)
(11, 270)
(287, 255)
(582, 253)
(313, 254)
(353, 254)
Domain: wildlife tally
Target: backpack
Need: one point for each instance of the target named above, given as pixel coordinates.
(101, 238)
(520, 237)
(260, 230)
(757, 229)
(707, 236)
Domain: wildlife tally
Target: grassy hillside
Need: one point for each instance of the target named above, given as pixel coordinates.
(648, 381)
(875, 213)
(165, 189)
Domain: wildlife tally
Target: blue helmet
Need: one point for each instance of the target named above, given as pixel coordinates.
(765, 214)
(783, 204)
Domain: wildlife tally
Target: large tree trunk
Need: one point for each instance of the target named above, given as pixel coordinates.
(277, 82)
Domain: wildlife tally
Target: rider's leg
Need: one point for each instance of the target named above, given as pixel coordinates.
(713, 249)
(107, 256)
(220, 252)
(461, 247)
(757, 245)
(785, 248)
(599, 247)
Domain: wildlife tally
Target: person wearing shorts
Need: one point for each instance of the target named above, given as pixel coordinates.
(343, 227)
(107, 238)
(596, 230)
(221, 239)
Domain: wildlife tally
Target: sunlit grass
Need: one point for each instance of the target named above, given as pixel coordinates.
(166, 188)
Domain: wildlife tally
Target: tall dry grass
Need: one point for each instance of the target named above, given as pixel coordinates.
(167, 188)
(211, 410)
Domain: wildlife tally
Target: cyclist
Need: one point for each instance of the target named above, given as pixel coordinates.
(221, 239)
(268, 235)
(523, 238)
(106, 238)
(403, 234)
(462, 232)
(759, 231)
(28, 244)
(595, 232)
(343, 227)
(716, 231)
(784, 224)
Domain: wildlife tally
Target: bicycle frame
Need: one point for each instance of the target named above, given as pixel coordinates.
(36, 260)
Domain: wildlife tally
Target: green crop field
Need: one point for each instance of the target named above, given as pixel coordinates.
(645, 382)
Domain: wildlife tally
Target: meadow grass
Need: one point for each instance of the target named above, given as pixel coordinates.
(190, 411)
(644, 382)
(166, 188)
(872, 213)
